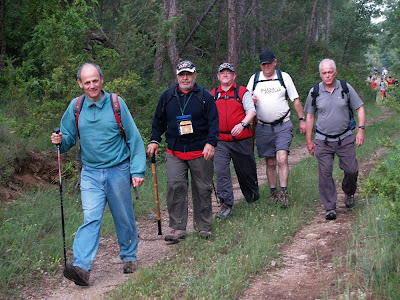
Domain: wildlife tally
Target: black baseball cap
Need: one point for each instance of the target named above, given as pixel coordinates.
(226, 66)
(267, 56)
(185, 65)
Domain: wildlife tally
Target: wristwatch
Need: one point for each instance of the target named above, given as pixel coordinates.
(361, 127)
(243, 124)
(303, 118)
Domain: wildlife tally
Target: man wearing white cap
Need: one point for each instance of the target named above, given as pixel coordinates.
(188, 116)
(236, 110)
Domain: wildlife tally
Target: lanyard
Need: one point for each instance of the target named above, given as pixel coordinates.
(186, 103)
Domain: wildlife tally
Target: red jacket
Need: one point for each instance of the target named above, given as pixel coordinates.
(231, 113)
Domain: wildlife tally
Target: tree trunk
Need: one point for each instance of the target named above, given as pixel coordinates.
(310, 30)
(232, 33)
(194, 29)
(328, 26)
(160, 50)
(3, 34)
(173, 54)
(253, 30)
(217, 45)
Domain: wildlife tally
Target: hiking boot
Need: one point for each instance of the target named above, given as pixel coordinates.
(225, 212)
(77, 275)
(130, 266)
(205, 234)
(175, 236)
(330, 215)
(274, 196)
(283, 199)
(349, 201)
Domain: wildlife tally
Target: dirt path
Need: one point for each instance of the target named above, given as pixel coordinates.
(306, 263)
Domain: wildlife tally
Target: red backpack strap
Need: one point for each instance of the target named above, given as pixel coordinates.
(77, 111)
(117, 113)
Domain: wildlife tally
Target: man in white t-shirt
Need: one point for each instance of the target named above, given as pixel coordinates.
(271, 90)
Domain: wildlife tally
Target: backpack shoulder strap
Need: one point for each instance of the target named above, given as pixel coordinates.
(170, 93)
(315, 94)
(77, 111)
(236, 94)
(214, 93)
(282, 82)
(256, 80)
(345, 88)
(117, 111)
(280, 78)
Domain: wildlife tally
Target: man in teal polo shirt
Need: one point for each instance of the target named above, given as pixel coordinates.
(110, 166)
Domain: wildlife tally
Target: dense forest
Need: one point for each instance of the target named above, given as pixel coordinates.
(138, 43)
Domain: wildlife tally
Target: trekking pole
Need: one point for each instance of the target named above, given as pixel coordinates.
(57, 131)
(253, 129)
(154, 171)
(215, 193)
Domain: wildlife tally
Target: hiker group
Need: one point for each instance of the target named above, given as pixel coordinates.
(204, 130)
(385, 84)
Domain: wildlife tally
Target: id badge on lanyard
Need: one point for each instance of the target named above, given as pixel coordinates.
(185, 124)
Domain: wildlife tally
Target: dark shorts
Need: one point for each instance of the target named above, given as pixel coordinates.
(270, 139)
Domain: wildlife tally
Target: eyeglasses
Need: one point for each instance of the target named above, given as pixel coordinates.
(327, 72)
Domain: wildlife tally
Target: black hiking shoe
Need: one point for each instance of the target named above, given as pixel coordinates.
(225, 212)
(77, 275)
(205, 234)
(349, 201)
(130, 266)
(330, 215)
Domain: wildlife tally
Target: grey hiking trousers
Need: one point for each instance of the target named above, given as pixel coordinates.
(201, 172)
(325, 154)
(242, 155)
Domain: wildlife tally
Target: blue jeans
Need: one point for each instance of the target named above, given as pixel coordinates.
(99, 186)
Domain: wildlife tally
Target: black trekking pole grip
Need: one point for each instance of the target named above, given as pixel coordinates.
(154, 171)
(57, 131)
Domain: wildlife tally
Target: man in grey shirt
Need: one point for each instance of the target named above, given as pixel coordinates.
(334, 136)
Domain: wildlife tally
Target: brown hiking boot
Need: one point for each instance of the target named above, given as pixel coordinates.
(175, 236)
(283, 199)
(349, 201)
(77, 275)
(130, 266)
(274, 197)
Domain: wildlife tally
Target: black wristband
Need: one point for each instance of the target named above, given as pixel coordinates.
(361, 127)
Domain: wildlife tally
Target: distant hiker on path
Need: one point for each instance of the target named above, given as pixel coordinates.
(236, 111)
(109, 163)
(333, 99)
(383, 85)
(187, 113)
(271, 90)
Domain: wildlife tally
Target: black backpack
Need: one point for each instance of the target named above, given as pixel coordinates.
(345, 90)
(280, 78)
(235, 95)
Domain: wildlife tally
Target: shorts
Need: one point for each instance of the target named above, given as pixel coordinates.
(270, 139)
